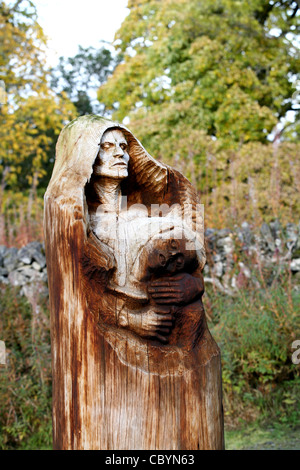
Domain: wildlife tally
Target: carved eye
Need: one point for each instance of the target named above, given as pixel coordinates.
(123, 146)
(106, 146)
(162, 259)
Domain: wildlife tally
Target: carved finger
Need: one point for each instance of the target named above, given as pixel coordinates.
(161, 282)
(165, 324)
(161, 309)
(165, 318)
(161, 338)
(156, 335)
(163, 331)
(172, 288)
(166, 295)
(178, 277)
(150, 327)
(168, 283)
(161, 279)
(168, 300)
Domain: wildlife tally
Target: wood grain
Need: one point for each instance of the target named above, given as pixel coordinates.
(112, 388)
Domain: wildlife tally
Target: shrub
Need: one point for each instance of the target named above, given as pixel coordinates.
(255, 331)
(25, 384)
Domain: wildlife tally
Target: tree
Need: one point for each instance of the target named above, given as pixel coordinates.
(226, 67)
(22, 62)
(200, 81)
(32, 116)
(81, 75)
(27, 139)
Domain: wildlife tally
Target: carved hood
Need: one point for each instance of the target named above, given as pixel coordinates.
(150, 181)
(76, 151)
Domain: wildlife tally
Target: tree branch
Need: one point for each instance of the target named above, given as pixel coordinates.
(294, 12)
(262, 15)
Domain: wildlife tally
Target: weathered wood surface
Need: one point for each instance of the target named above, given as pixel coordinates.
(117, 383)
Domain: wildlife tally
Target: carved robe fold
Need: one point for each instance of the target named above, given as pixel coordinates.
(113, 389)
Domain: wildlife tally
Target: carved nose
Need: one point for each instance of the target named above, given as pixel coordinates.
(119, 152)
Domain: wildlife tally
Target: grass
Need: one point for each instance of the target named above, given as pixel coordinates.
(272, 436)
(25, 383)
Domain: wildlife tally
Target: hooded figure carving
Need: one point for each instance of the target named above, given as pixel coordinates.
(124, 278)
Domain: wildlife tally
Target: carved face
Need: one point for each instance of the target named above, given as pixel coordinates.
(112, 160)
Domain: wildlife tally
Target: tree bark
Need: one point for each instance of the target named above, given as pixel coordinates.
(114, 390)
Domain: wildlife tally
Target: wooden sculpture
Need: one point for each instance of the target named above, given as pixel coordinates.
(134, 365)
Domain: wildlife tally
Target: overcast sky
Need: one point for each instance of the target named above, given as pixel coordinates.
(69, 23)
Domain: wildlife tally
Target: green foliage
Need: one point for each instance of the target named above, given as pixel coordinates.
(221, 59)
(32, 116)
(255, 332)
(25, 384)
(255, 183)
(27, 139)
(203, 84)
(21, 47)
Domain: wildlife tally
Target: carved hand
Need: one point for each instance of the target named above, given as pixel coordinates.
(154, 322)
(180, 289)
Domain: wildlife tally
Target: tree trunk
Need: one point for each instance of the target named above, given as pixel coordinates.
(112, 389)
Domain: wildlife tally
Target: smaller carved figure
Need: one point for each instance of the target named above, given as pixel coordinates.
(171, 284)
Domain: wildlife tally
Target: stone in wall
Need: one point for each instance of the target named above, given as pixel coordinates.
(24, 268)
(232, 254)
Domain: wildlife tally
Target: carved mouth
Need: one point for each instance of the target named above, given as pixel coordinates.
(120, 164)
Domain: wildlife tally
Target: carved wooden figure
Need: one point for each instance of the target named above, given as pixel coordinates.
(134, 365)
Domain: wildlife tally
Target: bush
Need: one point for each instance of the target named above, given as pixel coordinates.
(25, 384)
(255, 331)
